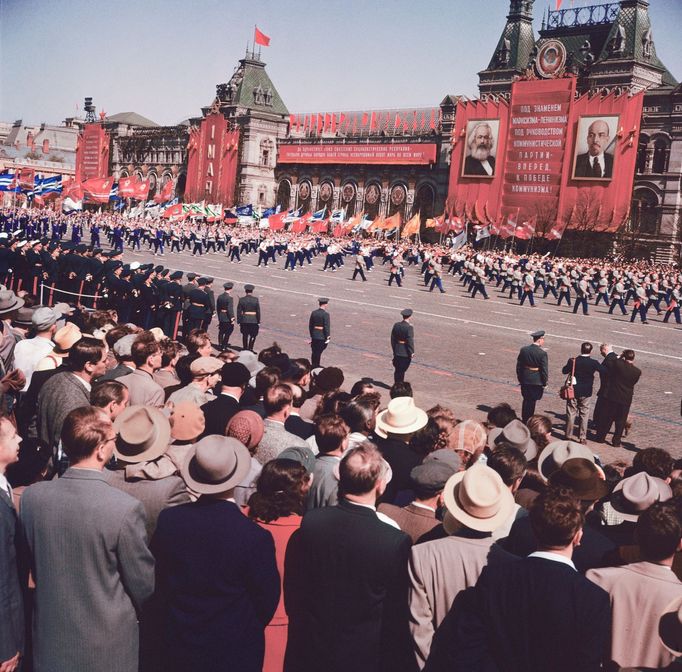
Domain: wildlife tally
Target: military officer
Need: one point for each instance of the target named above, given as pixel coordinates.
(172, 303)
(248, 317)
(402, 344)
(199, 306)
(320, 331)
(225, 309)
(211, 304)
(187, 289)
(532, 372)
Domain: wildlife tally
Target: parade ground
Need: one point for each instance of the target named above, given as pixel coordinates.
(465, 348)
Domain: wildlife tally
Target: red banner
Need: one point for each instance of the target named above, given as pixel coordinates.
(401, 154)
(92, 153)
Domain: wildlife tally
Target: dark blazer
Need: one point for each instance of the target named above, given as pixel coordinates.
(623, 377)
(295, 424)
(218, 413)
(595, 549)
(319, 325)
(11, 603)
(533, 615)
(583, 166)
(474, 166)
(532, 367)
(604, 374)
(585, 368)
(402, 460)
(345, 590)
(219, 591)
(118, 371)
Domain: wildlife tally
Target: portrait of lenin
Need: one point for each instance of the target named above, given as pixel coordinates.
(595, 145)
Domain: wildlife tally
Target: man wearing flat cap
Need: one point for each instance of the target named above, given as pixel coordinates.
(402, 344)
(248, 317)
(319, 327)
(532, 372)
(225, 310)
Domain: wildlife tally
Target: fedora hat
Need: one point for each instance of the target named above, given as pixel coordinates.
(478, 499)
(9, 301)
(515, 434)
(581, 476)
(143, 434)
(64, 339)
(557, 452)
(401, 417)
(250, 361)
(635, 494)
(187, 421)
(215, 464)
(670, 627)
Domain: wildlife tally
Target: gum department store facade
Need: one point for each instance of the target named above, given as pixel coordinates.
(609, 46)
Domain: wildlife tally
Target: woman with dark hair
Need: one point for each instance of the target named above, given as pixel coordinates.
(278, 506)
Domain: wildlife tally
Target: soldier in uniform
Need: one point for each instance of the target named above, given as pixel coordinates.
(199, 306)
(211, 303)
(186, 291)
(172, 305)
(248, 317)
(402, 344)
(532, 372)
(225, 309)
(319, 327)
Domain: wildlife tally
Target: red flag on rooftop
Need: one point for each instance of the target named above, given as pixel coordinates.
(334, 122)
(373, 121)
(261, 38)
(558, 4)
(365, 119)
(396, 125)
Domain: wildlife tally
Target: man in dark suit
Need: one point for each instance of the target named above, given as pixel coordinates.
(480, 143)
(532, 372)
(345, 580)
(532, 615)
(234, 377)
(225, 310)
(248, 317)
(402, 344)
(581, 368)
(11, 604)
(600, 405)
(320, 331)
(596, 163)
(623, 376)
(218, 591)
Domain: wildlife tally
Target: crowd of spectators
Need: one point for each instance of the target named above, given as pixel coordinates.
(165, 508)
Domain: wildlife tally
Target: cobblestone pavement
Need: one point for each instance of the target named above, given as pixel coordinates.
(465, 348)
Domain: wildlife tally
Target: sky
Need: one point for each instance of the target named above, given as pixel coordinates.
(163, 58)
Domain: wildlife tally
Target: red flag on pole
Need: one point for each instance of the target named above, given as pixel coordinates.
(373, 122)
(334, 122)
(365, 119)
(261, 38)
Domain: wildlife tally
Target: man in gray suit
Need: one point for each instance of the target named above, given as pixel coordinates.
(143, 389)
(11, 605)
(69, 389)
(331, 437)
(277, 403)
(88, 554)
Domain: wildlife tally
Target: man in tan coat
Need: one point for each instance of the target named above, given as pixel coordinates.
(476, 502)
(640, 592)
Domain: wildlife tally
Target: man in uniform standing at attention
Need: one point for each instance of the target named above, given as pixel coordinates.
(225, 309)
(532, 372)
(402, 343)
(248, 317)
(320, 331)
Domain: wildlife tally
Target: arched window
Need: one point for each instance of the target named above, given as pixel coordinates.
(372, 200)
(645, 211)
(283, 194)
(349, 193)
(660, 162)
(304, 194)
(267, 153)
(325, 195)
(424, 202)
(397, 199)
(641, 153)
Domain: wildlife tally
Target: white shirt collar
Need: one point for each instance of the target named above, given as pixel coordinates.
(555, 557)
(4, 484)
(84, 383)
(423, 506)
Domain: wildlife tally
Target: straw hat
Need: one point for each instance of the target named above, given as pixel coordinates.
(215, 464)
(635, 494)
(401, 417)
(478, 498)
(143, 434)
(64, 339)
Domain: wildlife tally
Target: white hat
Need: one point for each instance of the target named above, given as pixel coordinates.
(401, 417)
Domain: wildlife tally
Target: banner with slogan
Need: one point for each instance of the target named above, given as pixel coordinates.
(404, 153)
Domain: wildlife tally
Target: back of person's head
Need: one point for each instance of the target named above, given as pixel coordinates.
(628, 355)
(358, 416)
(294, 374)
(196, 340)
(267, 355)
(265, 379)
(585, 348)
(98, 321)
(556, 516)
(361, 386)
(277, 398)
(183, 370)
(84, 429)
(654, 461)
(360, 470)
(427, 439)
(87, 350)
(403, 389)
(169, 351)
(281, 490)
(501, 415)
(117, 333)
(332, 402)
(299, 396)
(540, 427)
(104, 393)
(659, 531)
(330, 433)
(509, 462)
(143, 349)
